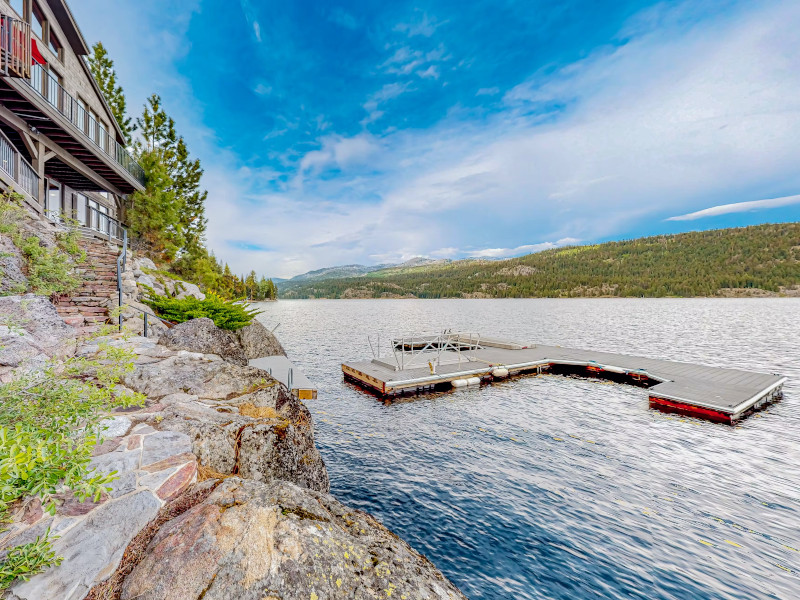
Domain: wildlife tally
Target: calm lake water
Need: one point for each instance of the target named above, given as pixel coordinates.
(549, 487)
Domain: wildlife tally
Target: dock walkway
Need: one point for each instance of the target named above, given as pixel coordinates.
(718, 394)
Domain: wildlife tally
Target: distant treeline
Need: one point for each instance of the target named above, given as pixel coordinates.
(705, 263)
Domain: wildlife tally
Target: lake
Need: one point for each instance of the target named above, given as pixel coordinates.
(551, 487)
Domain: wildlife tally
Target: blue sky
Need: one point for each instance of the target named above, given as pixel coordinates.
(371, 132)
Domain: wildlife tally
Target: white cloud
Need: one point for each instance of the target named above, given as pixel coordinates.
(430, 73)
(664, 124)
(490, 91)
(388, 92)
(262, 89)
(520, 250)
(425, 26)
(738, 207)
(339, 152)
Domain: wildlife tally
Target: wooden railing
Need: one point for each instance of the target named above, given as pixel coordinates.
(15, 47)
(51, 90)
(17, 168)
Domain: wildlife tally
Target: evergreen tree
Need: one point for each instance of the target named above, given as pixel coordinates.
(251, 286)
(152, 214)
(102, 68)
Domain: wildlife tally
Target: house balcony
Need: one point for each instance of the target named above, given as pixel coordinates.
(86, 156)
(15, 168)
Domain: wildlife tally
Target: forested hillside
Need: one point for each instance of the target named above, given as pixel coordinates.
(758, 260)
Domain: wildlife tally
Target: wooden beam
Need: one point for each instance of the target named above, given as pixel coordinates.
(56, 118)
(56, 150)
(30, 143)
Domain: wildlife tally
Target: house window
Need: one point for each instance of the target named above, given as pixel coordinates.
(93, 127)
(19, 8)
(37, 25)
(104, 136)
(98, 216)
(55, 47)
(55, 84)
(82, 117)
(53, 200)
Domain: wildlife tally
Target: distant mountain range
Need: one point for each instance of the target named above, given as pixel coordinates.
(343, 271)
(763, 260)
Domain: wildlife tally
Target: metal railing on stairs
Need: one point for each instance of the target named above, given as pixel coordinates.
(122, 263)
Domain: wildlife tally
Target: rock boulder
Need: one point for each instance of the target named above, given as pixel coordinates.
(201, 335)
(12, 268)
(264, 435)
(202, 375)
(257, 341)
(254, 541)
(33, 331)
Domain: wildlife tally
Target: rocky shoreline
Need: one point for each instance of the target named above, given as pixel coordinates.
(220, 492)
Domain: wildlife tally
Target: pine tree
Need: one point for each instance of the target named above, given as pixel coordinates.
(251, 287)
(102, 68)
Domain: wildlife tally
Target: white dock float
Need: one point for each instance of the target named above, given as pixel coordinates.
(282, 369)
(420, 364)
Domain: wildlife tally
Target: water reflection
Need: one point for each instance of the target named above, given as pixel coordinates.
(549, 487)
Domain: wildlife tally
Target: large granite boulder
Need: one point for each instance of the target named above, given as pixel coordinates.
(254, 541)
(202, 375)
(33, 332)
(258, 341)
(264, 435)
(201, 335)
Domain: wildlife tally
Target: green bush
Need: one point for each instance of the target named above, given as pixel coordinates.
(225, 314)
(49, 270)
(23, 562)
(49, 426)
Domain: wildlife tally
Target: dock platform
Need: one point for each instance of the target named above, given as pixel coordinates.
(426, 363)
(282, 369)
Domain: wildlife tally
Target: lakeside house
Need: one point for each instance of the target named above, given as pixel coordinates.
(60, 146)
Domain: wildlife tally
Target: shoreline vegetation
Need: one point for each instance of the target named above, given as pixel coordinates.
(755, 261)
(118, 452)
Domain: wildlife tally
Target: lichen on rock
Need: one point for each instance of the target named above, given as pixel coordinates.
(250, 540)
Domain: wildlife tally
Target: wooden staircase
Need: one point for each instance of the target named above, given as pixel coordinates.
(89, 306)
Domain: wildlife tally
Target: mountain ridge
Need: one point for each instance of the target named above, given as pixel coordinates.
(755, 260)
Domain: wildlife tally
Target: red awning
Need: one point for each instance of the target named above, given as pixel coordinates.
(36, 56)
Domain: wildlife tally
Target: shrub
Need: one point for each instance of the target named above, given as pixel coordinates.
(23, 562)
(49, 270)
(225, 314)
(49, 426)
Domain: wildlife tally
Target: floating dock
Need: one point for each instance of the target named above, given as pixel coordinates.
(419, 364)
(282, 369)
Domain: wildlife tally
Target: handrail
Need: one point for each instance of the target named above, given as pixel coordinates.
(122, 261)
(94, 219)
(15, 47)
(19, 169)
(169, 324)
(48, 87)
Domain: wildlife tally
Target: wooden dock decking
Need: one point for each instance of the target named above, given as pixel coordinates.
(714, 393)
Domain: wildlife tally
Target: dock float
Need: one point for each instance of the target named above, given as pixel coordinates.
(426, 363)
(282, 369)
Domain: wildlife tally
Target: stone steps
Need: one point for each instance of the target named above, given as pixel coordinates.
(88, 308)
